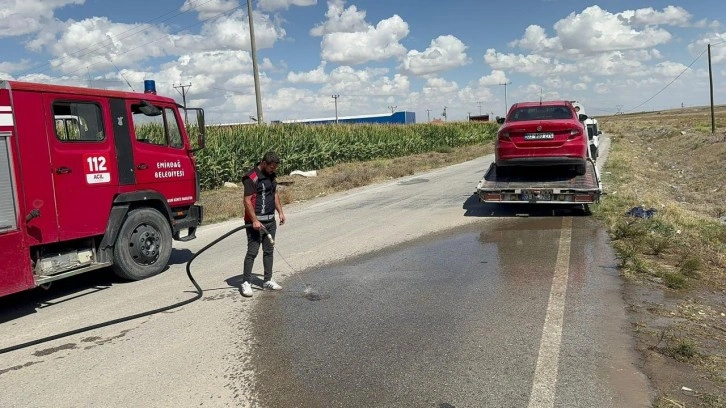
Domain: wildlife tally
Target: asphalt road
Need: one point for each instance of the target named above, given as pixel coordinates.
(428, 299)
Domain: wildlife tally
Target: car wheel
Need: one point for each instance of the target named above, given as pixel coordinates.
(143, 247)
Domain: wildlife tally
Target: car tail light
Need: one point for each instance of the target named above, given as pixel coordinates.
(574, 133)
(504, 136)
(584, 198)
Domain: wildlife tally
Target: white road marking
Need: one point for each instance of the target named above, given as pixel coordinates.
(545, 375)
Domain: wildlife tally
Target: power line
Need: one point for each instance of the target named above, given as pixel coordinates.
(669, 84)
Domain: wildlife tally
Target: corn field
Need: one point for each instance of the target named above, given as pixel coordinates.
(233, 150)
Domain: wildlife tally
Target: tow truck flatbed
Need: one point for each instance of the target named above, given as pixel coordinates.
(541, 185)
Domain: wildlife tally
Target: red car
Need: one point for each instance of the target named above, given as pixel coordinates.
(541, 134)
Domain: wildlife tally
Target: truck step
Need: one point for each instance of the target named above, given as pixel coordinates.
(43, 279)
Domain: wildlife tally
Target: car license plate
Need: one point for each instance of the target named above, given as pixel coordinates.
(539, 136)
(536, 195)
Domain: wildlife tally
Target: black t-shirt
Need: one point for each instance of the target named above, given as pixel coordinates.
(262, 192)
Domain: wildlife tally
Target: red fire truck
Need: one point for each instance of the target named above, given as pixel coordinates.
(93, 178)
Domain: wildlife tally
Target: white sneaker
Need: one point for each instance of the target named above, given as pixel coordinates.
(246, 289)
(271, 284)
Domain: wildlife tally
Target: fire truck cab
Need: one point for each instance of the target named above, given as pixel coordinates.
(92, 178)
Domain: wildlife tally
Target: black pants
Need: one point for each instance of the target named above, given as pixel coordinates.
(254, 239)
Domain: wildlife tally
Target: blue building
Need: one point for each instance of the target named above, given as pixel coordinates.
(397, 118)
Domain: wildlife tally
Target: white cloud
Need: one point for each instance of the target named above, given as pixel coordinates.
(439, 86)
(98, 44)
(495, 78)
(209, 8)
(8, 67)
(28, 16)
(233, 32)
(444, 53)
(341, 20)
(718, 53)
(601, 88)
(347, 81)
(272, 5)
(375, 44)
(349, 40)
(316, 76)
(596, 30)
(532, 64)
(671, 15)
(669, 69)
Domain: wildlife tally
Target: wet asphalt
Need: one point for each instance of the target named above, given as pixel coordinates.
(451, 320)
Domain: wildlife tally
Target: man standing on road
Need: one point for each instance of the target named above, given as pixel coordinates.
(261, 200)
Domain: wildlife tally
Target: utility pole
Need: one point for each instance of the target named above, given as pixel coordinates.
(444, 114)
(335, 97)
(710, 80)
(393, 108)
(183, 93)
(619, 108)
(479, 104)
(428, 115)
(255, 70)
(506, 105)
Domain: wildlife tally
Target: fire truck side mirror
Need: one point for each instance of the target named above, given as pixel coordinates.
(200, 130)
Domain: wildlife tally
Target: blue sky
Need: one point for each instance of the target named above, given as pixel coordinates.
(414, 55)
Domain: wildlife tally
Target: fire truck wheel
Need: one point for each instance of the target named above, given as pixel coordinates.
(143, 246)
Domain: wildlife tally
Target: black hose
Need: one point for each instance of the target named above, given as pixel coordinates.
(196, 297)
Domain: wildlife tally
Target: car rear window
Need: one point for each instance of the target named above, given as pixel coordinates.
(541, 113)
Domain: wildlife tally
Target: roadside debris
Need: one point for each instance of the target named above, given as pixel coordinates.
(641, 212)
(311, 173)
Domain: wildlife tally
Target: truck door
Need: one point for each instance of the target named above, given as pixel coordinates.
(160, 154)
(83, 162)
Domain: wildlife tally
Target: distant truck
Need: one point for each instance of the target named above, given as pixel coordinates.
(92, 178)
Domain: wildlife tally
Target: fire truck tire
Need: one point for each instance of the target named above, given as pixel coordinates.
(143, 246)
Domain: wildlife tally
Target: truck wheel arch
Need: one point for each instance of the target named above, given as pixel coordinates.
(122, 205)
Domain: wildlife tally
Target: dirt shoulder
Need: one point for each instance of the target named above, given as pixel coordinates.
(674, 261)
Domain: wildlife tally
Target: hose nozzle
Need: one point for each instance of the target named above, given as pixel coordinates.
(269, 236)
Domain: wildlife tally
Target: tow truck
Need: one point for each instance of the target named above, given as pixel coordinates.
(541, 186)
